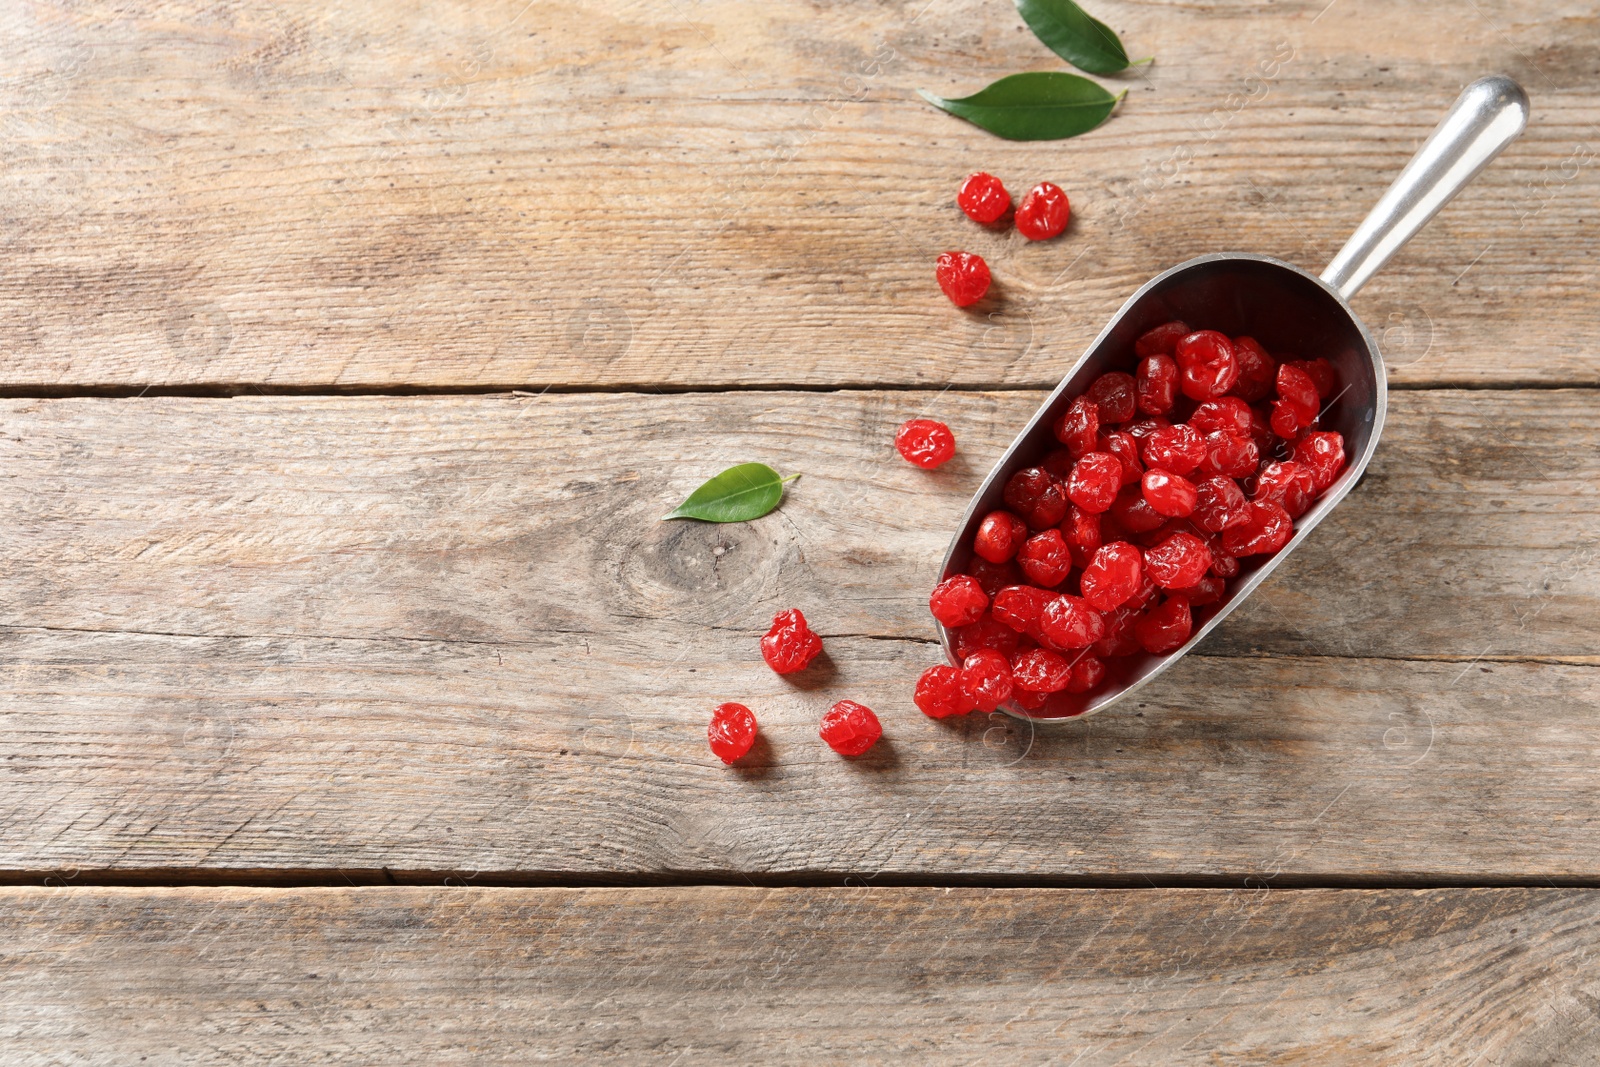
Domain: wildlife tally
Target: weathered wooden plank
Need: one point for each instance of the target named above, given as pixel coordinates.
(447, 194)
(495, 519)
(569, 754)
(724, 975)
(449, 634)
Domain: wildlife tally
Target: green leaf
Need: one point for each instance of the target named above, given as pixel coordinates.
(1074, 35)
(747, 491)
(1038, 106)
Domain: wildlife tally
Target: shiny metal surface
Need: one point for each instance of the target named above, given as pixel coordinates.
(1487, 116)
(1293, 313)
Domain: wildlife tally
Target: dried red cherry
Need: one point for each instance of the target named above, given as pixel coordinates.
(1169, 494)
(1081, 530)
(1166, 627)
(1268, 530)
(925, 443)
(1219, 505)
(1177, 449)
(1018, 607)
(999, 536)
(1034, 495)
(986, 679)
(958, 601)
(1227, 413)
(983, 198)
(987, 633)
(1040, 670)
(994, 577)
(850, 728)
(1094, 481)
(1043, 212)
(1134, 512)
(1069, 623)
(1177, 562)
(963, 276)
(1112, 576)
(1162, 340)
(940, 694)
(1126, 449)
(1321, 373)
(1114, 394)
(731, 732)
(1257, 370)
(1323, 455)
(1046, 559)
(1287, 484)
(790, 645)
(1207, 367)
(1079, 426)
(1229, 454)
(1087, 672)
(1156, 384)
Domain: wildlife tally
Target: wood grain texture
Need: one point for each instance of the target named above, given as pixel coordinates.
(709, 975)
(450, 634)
(693, 192)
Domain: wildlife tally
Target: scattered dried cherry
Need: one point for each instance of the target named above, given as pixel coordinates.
(731, 732)
(850, 728)
(963, 276)
(1043, 213)
(790, 645)
(983, 198)
(925, 443)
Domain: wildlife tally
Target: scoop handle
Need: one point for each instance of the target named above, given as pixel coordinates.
(1487, 116)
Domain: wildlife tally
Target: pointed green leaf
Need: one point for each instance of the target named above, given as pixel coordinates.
(747, 491)
(1038, 106)
(1074, 35)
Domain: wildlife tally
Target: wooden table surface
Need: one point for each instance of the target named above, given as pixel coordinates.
(354, 698)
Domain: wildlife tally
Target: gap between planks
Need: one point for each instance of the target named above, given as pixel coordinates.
(360, 878)
(521, 389)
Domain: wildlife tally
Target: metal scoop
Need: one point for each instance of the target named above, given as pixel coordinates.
(1288, 311)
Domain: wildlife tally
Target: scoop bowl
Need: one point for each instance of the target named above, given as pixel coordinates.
(1294, 314)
